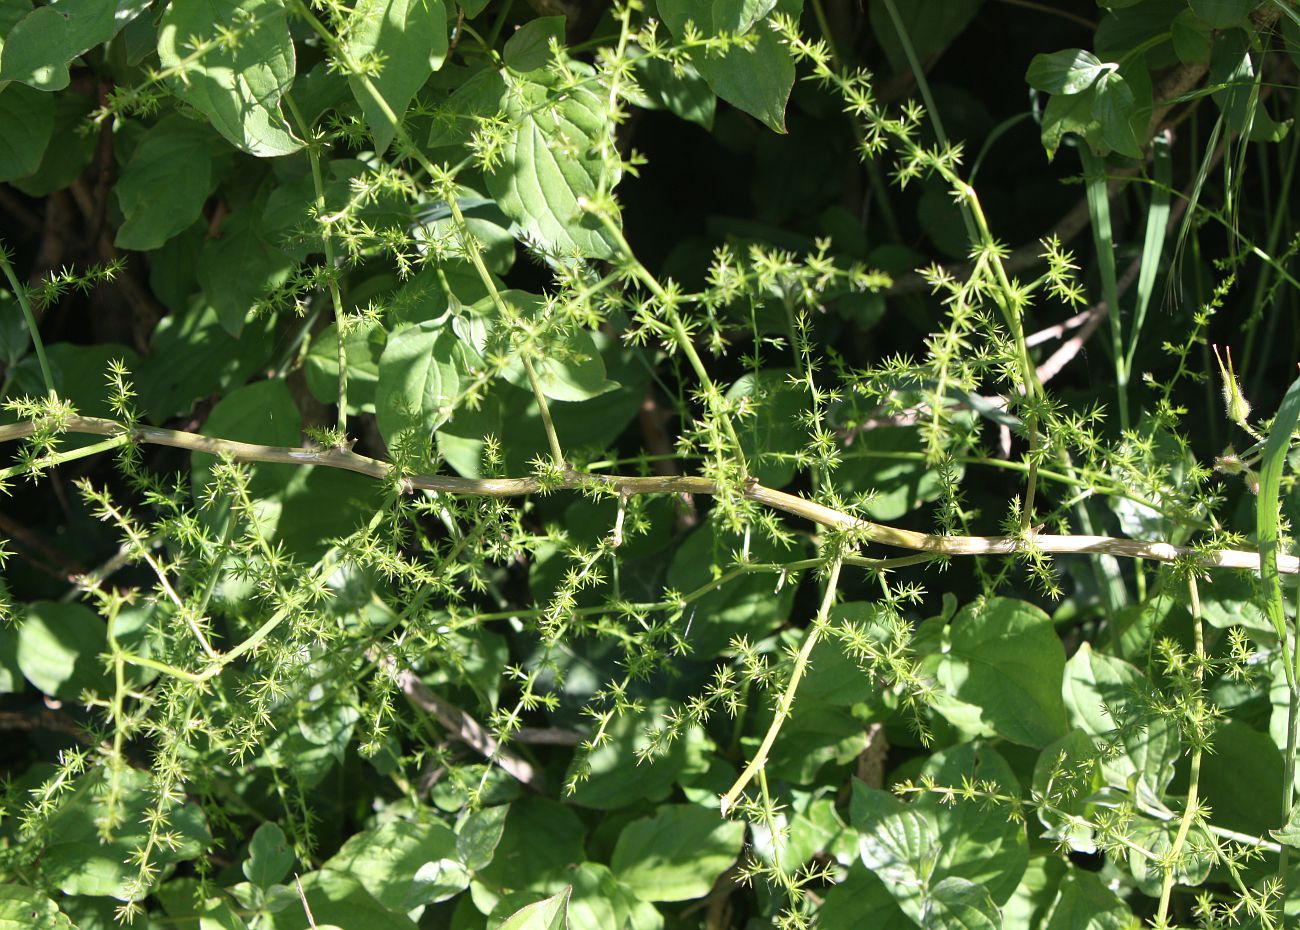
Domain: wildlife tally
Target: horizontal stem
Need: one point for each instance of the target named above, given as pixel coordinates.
(630, 484)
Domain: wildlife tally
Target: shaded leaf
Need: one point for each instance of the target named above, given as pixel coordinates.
(237, 86)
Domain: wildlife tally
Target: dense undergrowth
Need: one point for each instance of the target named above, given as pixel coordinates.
(675, 465)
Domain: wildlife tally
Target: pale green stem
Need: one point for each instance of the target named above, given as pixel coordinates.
(327, 241)
(20, 294)
(786, 701)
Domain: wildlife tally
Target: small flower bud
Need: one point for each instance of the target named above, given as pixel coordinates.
(1235, 403)
(1229, 463)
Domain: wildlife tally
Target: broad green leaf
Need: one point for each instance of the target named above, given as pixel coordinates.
(338, 899)
(62, 163)
(1113, 106)
(262, 413)
(238, 86)
(385, 860)
(1085, 903)
(548, 914)
(1191, 37)
(1003, 656)
(683, 92)
(79, 374)
(419, 378)
(59, 647)
(930, 25)
(478, 834)
(26, 126)
(529, 47)
(1157, 838)
(1067, 113)
(1108, 698)
(269, 856)
(956, 904)
(38, 49)
(756, 78)
(437, 881)
(542, 838)
(913, 847)
(23, 908)
(1069, 71)
(1289, 833)
(364, 345)
(610, 782)
(979, 842)
(861, 892)
(193, 357)
(11, 676)
(815, 735)
(888, 463)
(261, 264)
(1241, 779)
(175, 156)
(898, 843)
(1067, 773)
(570, 369)
(677, 854)
(771, 427)
(409, 40)
(751, 605)
(600, 901)
(1222, 14)
(78, 862)
(550, 163)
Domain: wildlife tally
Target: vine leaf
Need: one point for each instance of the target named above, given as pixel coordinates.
(40, 46)
(1069, 71)
(237, 84)
(419, 378)
(261, 265)
(26, 126)
(550, 163)
(756, 79)
(409, 39)
(58, 649)
(530, 47)
(174, 156)
(25, 909)
(548, 914)
(1003, 657)
(1105, 697)
(677, 854)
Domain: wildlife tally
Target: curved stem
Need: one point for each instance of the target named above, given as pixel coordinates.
(759, 761)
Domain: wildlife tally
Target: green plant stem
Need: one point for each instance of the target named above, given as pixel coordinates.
(327, 241)
(681, 334)
(932, 543)
(1194, 776)
(61, 458)
(552, 437)
(510, 317)
(786, 701)
(20, 294)
(467, 238)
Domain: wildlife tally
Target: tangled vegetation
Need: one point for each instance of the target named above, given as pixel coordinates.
(650, 465)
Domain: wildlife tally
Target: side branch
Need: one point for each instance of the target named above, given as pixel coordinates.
(630, 484)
